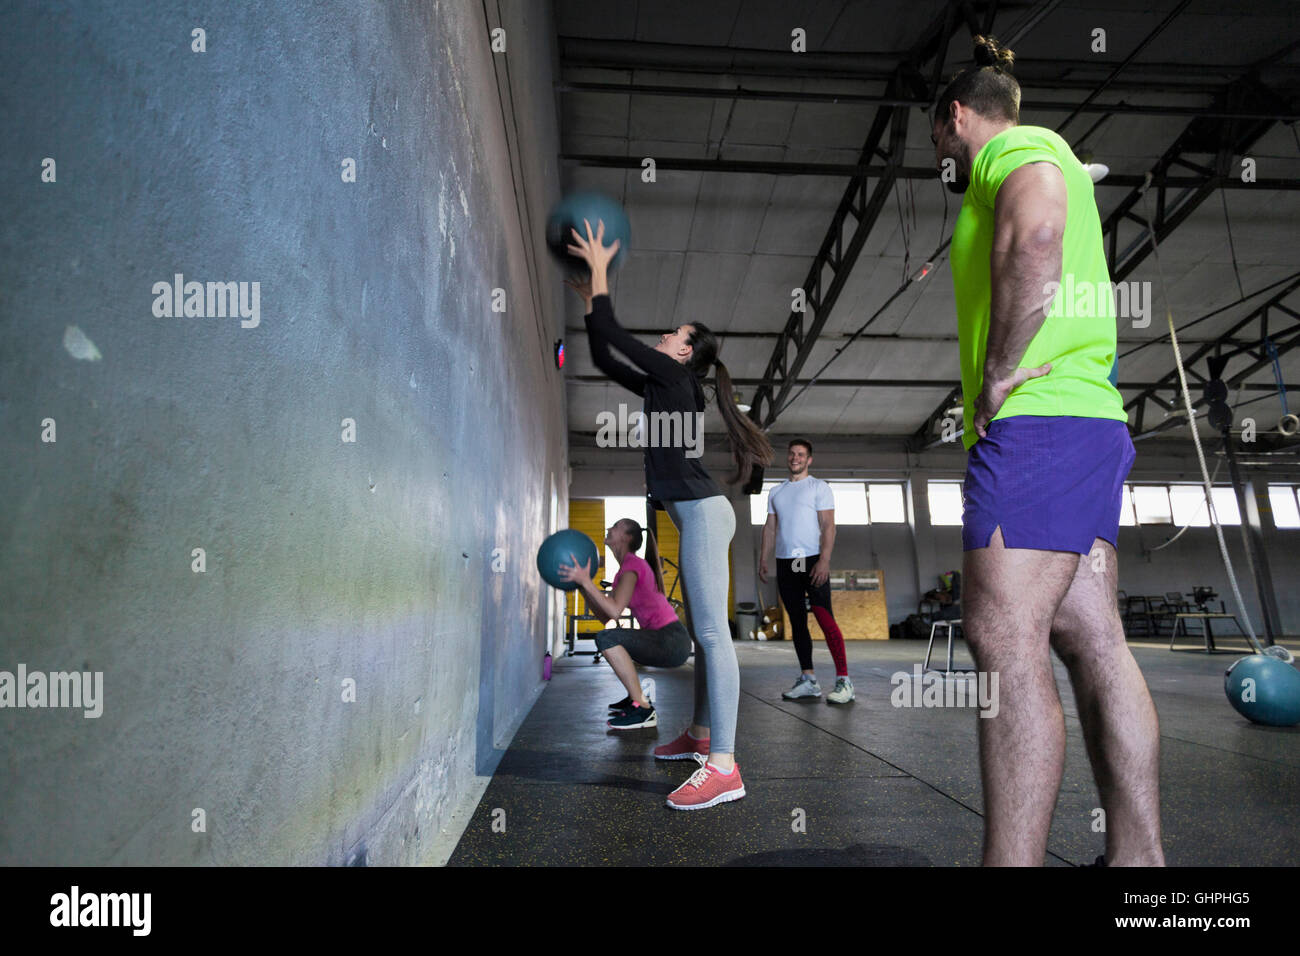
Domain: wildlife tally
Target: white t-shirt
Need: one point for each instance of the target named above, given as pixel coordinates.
(795, 504)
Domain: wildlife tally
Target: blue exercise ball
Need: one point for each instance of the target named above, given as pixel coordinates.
(1264, 690)
(570, 212)
(556, 550)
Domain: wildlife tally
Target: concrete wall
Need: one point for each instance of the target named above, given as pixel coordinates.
(326, 561)
(913, 560)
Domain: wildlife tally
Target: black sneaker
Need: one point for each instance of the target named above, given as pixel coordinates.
(1100, 861)
(622, 705)
(634, 718)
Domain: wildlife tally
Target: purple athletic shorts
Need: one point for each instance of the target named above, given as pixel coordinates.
(1051, 483)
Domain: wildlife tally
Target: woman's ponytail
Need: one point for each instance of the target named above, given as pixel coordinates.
(652, 559)
(749, 445)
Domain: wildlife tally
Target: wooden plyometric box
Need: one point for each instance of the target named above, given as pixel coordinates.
(858, 603)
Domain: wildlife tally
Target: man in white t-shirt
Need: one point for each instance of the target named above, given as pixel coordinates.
(801, 526)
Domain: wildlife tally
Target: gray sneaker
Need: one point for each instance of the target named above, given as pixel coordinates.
(805, 686)
(843, 692)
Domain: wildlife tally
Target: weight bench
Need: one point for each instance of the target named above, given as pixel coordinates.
(1180, 625)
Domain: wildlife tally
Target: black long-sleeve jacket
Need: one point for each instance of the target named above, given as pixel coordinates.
(667, 386)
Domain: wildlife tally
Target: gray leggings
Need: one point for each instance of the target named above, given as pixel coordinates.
(706, 526)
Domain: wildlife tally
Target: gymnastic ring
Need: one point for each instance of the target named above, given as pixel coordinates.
(1288, 425)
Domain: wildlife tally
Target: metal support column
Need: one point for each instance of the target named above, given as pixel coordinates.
(1253, 536)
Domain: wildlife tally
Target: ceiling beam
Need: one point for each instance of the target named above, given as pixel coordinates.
(1137, 404)
(902, 339)
(1225, 139)
(844, 240)
(850, 225)
(1035, 73)
(895, 383)
(795, 168)
(923, 436)
(880, 99)
(1160, 28)
(915, 383)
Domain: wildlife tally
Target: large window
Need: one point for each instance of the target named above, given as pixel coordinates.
(1189, 507)
(856, 503)
(945, 502)
(616, 509)
(1181, 505)
(850, 502)
(1282, 499)
(1225, 505)
(1152, 503)
(1127, 517)
(758, 504)
(886, 503)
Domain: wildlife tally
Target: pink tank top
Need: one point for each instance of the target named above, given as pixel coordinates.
(651, 608)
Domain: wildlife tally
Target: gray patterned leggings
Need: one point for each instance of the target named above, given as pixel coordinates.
(706, 526)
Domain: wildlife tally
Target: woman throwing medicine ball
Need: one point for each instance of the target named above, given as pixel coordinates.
(669, 377)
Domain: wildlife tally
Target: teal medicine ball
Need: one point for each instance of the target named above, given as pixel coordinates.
(1264, 690)
(556, 550)
(570, 212)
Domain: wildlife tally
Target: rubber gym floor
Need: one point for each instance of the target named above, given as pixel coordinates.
(877, 785)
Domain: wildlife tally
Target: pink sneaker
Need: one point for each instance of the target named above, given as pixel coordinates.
(707, 787)
(683, 748)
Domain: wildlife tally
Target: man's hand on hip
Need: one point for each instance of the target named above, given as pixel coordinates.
(990, 400)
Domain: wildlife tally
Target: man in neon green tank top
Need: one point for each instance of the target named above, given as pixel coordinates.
(1049, 450)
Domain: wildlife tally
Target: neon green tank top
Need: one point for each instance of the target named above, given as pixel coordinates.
(1078, 335)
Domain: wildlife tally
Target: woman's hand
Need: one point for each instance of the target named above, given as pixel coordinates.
(582, 287)
(579, 574)
(593, 250)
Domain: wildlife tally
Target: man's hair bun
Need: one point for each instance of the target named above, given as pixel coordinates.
(989, 53)
(988, 87)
